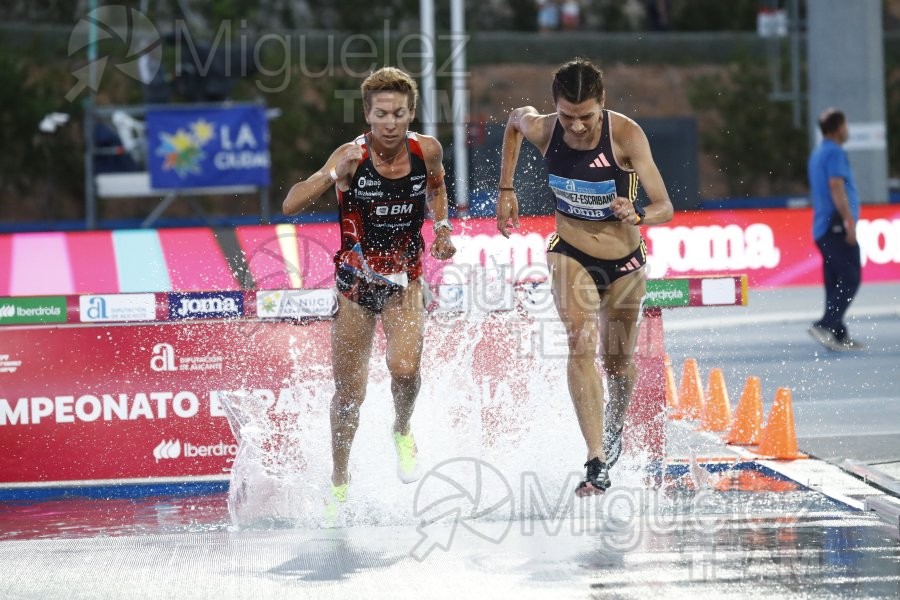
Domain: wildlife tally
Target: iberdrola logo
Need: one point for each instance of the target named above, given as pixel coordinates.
(183, 150)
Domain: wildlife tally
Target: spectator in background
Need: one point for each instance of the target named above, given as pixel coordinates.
(657, 14)
(835, 213)
(548, 15)
(571, 15)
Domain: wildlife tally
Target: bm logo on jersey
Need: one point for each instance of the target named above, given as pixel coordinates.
(394, 209)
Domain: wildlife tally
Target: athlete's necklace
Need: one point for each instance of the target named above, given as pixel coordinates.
(390, 158)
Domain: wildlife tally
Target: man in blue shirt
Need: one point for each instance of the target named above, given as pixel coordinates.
(835, 212)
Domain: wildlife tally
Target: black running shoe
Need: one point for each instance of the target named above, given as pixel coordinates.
(612, 447)
(596, 479)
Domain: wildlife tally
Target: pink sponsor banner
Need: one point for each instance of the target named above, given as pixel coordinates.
(195, 260)
(290, 256)
(773, 247)
(40, 265)
(5, 264)
(316, 245)
(262, 252)
(93, 261)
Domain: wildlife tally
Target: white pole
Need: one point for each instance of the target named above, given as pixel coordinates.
(460, 105)
(426, 16)
(90, 195)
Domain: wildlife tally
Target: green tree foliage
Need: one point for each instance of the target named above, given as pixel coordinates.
(752, 139)
(50, 11)
(524, 15)
(713, 15)
(316, 117)
(28, 92)
(363, 15)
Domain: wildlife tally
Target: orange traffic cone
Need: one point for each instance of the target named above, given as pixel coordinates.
(671, 388)
(779, 438)
(690, 393)
(717, 410)
(748, 416)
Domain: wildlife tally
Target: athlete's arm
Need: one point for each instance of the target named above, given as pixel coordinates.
(338, 170)
(629, 136)
(524, 123)
(436, 191)
(436, 194)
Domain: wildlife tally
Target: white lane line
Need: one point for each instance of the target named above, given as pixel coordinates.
(751, 318)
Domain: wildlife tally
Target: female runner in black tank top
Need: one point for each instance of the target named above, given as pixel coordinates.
(595, 158)
(383, 181)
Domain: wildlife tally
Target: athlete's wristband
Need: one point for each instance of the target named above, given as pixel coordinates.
(640, 212)
(442, 224)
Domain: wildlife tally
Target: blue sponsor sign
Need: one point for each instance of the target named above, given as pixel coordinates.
(206, 305)
(208, 147)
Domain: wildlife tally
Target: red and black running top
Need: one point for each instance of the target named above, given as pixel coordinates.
(385, 216)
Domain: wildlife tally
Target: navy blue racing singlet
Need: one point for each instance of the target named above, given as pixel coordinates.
(384, 216)
(585, 182)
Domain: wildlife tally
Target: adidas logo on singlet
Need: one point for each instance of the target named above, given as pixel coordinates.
(600, 161)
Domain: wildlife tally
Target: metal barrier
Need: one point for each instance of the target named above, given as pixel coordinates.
(137, 184)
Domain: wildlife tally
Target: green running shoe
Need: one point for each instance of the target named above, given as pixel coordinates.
(407, 462)
(335, 502)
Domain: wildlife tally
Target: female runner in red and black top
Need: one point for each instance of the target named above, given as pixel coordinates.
(594, 158)
(384, 179)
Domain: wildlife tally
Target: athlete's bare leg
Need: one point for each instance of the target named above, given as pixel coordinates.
(620, 317)
(352, 332)
(578, 303)
(403, 320)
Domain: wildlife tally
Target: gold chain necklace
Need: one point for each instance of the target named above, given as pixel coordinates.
(389, 158)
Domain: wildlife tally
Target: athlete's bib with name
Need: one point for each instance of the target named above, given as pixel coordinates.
(588, 200)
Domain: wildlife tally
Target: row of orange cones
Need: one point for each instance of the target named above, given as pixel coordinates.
(776, 439)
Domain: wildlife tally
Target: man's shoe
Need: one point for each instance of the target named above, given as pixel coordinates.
(612, 446)
(596, 479)
(826, 338)
(407, 458)
(852, 345)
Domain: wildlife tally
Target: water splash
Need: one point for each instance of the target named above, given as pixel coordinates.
(493, 389)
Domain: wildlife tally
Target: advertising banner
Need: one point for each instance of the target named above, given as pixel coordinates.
(143, 401)
(773, 247)
(207, 147)
(40, 309)
(117, 308)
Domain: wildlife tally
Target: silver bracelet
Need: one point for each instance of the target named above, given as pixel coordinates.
(442, 224)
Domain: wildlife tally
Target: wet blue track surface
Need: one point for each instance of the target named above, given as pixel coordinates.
(746, 532)
(736, 533)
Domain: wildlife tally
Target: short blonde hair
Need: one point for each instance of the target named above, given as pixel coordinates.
(390, 79)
